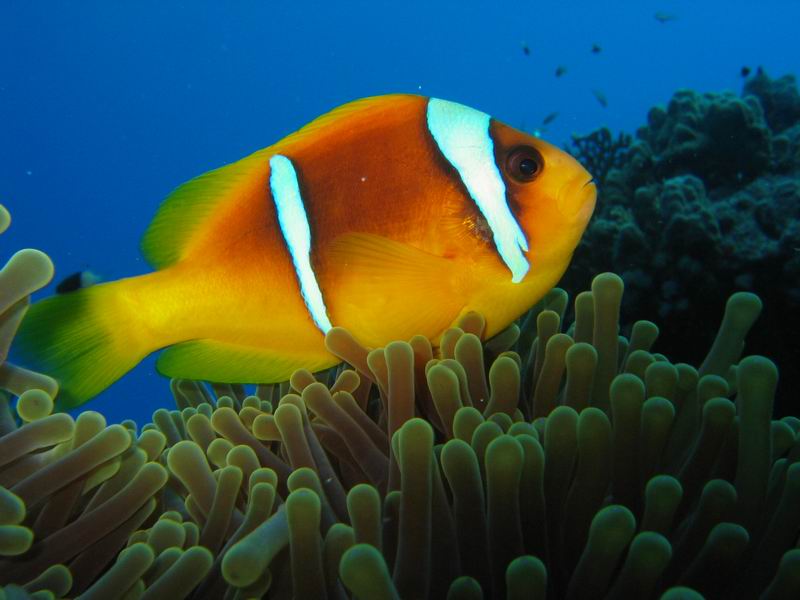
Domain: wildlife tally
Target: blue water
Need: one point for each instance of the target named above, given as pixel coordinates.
(107, 106)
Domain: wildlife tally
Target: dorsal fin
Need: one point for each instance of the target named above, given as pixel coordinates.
(186, 210)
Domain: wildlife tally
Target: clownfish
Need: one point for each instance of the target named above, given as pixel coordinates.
(390, 216)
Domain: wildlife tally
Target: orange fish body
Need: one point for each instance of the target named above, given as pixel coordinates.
(390, 216)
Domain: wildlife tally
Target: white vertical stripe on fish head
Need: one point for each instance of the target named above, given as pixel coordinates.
(296, 232)
(462, 135)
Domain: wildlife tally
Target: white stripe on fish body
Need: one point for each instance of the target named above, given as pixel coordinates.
(462, 135)
(296, 232)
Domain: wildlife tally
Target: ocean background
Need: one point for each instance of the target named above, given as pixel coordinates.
(105, 107)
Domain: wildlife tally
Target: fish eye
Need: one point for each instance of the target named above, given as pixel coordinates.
(524, 164)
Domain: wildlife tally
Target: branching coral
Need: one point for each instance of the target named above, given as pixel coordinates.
(599, 152)
(568, 462)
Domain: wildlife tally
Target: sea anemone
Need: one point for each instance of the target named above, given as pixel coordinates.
(547, 461)
(25, 272)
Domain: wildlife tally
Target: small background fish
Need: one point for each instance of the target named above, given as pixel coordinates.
(600, 97)
(549, 118)
(664, 17)
(77, 281)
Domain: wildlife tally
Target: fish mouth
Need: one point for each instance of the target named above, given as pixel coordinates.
(576, 198)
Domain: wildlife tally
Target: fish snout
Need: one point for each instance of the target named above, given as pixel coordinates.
(576, 198)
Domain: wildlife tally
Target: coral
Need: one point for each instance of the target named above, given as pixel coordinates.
(707, 201)
(778, 97)
(563, 460)
(599, 152)
(717, 136)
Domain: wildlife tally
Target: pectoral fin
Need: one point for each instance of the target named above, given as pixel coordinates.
(387, 290)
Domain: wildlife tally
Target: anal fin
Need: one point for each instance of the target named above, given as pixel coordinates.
(222, 362)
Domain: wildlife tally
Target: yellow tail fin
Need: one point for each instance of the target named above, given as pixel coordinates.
(86, 339)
